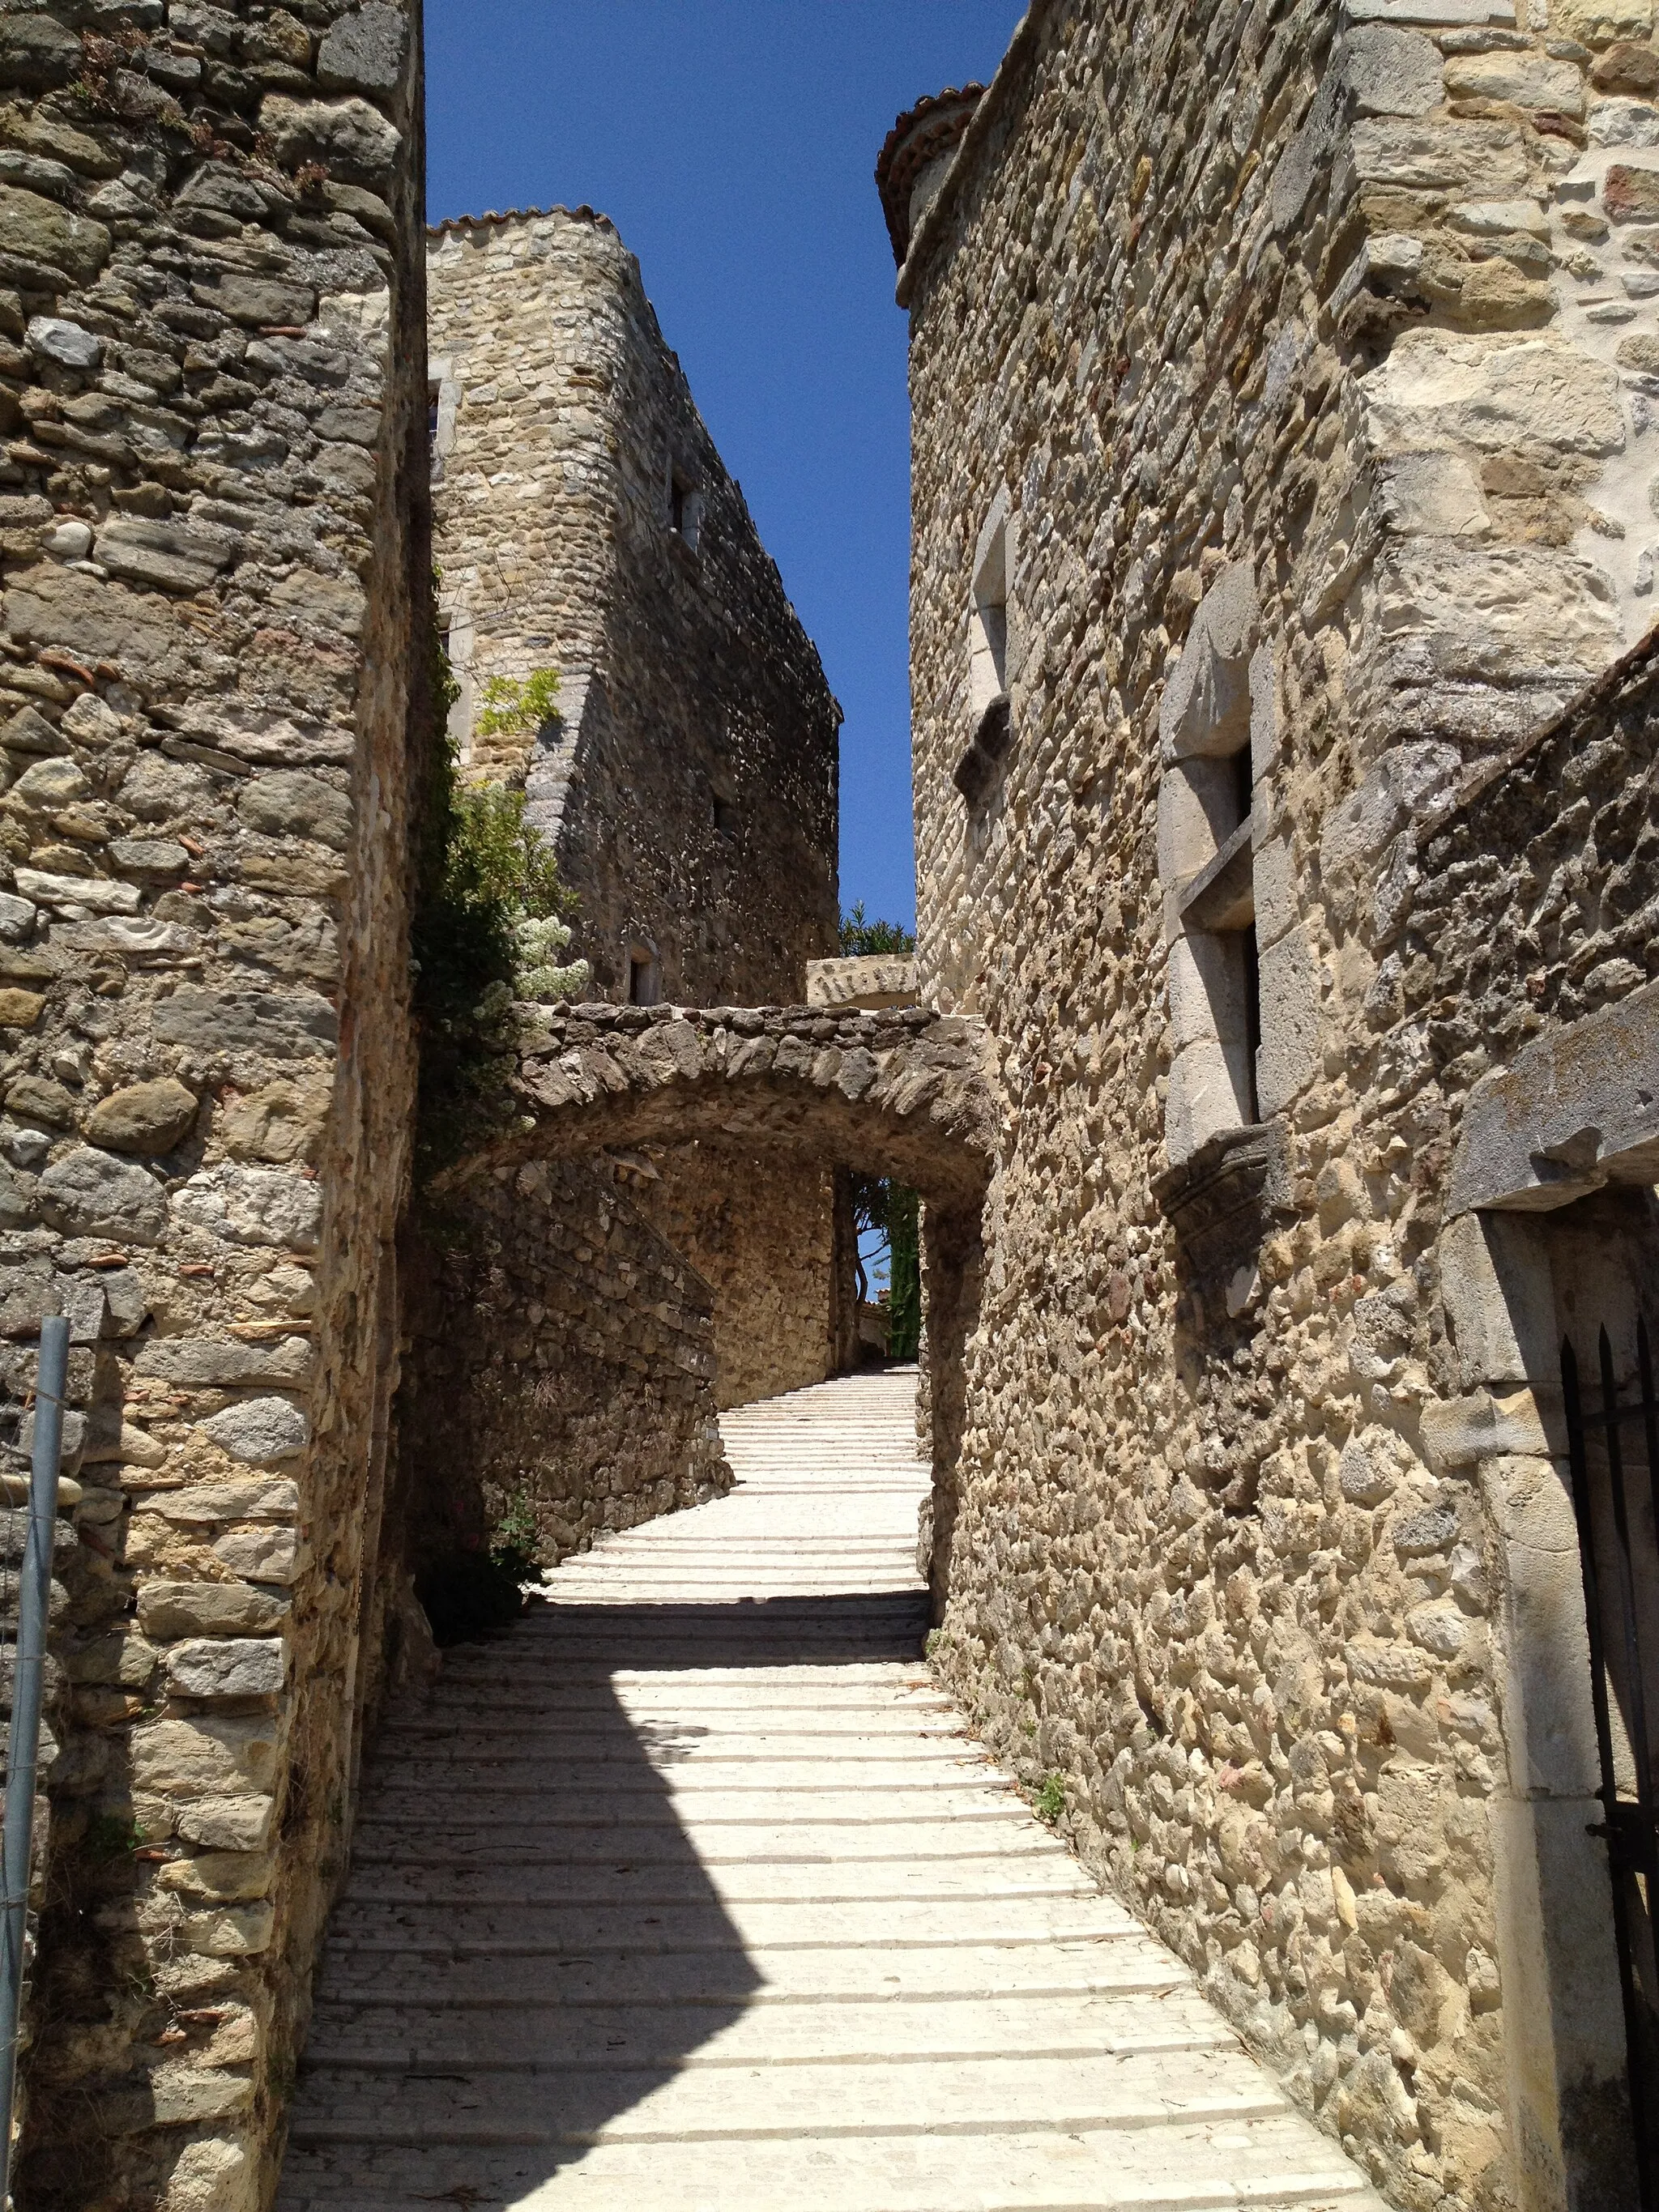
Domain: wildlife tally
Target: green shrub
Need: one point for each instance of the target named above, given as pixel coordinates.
(488, 922)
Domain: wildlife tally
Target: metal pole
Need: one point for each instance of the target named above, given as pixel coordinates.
(28, 1682)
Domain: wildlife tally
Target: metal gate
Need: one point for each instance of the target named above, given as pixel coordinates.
(1614, 1447)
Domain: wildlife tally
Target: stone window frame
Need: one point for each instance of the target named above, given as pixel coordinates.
(460, 637)
(992, 640)
(1244, 988)
(443, 407)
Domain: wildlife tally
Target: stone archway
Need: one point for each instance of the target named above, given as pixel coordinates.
(898, 1091)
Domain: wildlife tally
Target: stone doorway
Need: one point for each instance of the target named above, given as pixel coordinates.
(1550, 1311)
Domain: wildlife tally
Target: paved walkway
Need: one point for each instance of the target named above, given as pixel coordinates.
(692, 1894)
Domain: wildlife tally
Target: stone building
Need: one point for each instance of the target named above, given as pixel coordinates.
(584, 521)
(1285, 379)
(213, 527)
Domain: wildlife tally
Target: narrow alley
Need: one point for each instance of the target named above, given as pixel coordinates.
(693, 1892)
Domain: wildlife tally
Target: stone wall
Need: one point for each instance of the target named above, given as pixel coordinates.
(1283, 422)
(561, 1356)
(585, 521)
(211, 521)
(763, 1243)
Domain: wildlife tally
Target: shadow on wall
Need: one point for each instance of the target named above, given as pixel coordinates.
(530, 1949)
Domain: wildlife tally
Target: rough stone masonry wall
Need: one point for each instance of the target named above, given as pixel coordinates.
(764, 1243)
(211, 504)
(561, 1356)
(1315, 345)
(691, 781)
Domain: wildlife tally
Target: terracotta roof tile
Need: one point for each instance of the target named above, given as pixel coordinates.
(933, 127)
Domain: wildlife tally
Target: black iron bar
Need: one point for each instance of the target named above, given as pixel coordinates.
(27, 1689)
(1572, 1402)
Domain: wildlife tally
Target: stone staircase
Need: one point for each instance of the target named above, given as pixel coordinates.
(693, 1892)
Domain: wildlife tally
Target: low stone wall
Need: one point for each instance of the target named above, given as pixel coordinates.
(562, 1359)
(763, 1239)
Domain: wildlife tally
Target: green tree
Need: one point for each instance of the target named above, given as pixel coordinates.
(860, 938)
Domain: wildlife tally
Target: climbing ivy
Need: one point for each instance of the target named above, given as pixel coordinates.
(489, 923)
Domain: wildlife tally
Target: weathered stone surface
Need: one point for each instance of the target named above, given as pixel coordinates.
(146, 1117)
(350, 136)
(365, 51)
(227, 1667)
(39, 230)
(298, 806)
(871, 983)
(201, 597)
(274, 1025)
(205, 1756)
(253, 1205)
(260, 1432)
(174, 1609)
(91, 1194)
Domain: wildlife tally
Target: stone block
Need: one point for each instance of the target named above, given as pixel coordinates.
(1578, 1108)
(260, 1432)
(353, 140)
(36, 229)
(224, 1877)
(212, 1363)
(365, 51)
(1390, 71)
(879, 979)
(1288, 1058)
(1457, 1432)
(146, 1117)
(272, 1024)
(92, 1194)
(1599, 22)
(227, 1667)
(229, 1824)
(1495, 1287)
(1525, 78)
(167, 1610)
(229, 1931)
(1203, 1098)
(209, 1756)
(214, 2174)
(253, 1205)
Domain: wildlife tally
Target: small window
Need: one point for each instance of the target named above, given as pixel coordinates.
(725, 816)
(685, 506)
(990, 712)
(435, 393)
(643, 989)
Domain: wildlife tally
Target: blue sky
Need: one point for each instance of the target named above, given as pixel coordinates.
(732, 142)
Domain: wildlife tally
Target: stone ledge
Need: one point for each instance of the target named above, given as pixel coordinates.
(873, 982)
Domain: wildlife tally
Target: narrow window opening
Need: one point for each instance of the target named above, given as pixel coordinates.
(685, 508)
(1251, 964)
(725, 816)
(434, 398)
(991, 733)
(1243, 794)
(643, 985)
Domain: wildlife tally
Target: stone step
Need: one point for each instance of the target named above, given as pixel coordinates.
(451, 1923)
(1269, 2166)
(691, 1877)
(391, 2039)
(1129, 1963)
(691, 2105)
(545, 1844)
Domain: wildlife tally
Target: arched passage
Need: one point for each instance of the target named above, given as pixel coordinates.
(897, 1093)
